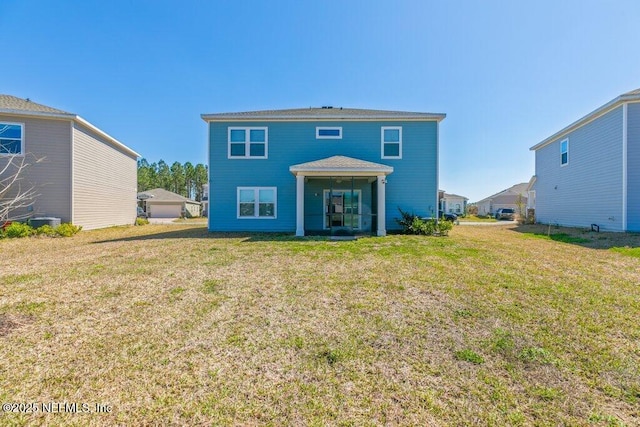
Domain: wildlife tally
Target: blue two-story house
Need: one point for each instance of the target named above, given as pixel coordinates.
(321, 170)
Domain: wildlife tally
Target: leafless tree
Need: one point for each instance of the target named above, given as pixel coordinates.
(16, 195)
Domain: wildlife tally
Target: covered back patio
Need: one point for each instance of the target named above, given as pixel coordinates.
(340, 196)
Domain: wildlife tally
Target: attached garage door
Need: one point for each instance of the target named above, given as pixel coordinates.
(165, 211)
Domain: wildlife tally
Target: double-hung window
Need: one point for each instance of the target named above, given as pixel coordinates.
(11, 138)
(248, 142)
(257, 202)
(391, 142)
(564, 152)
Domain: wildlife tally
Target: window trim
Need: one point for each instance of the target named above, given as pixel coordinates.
(563, 152)
(22, 139)
(256, 203)
(319, 128)
(247, 142)
(382, 142)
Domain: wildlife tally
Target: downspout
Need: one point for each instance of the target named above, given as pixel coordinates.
(437, 205)
(624, 165)
(71, 177)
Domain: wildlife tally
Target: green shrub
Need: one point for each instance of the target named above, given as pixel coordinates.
(67, 229)
(142, 221)
(46, 230)
(18, 229)
(413, 224)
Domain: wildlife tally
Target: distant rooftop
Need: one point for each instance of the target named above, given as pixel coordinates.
(9, 103)
(327, 112)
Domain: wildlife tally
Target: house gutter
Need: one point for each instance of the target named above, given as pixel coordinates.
(74, 118)
(601, 111)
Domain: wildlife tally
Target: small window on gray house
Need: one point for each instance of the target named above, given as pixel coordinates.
(564, 152)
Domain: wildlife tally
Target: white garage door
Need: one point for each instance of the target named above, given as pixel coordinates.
(165, 211)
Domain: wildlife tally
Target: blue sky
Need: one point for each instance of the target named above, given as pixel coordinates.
(507, 73)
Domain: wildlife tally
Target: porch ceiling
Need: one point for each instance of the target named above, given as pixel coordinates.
(340, 165)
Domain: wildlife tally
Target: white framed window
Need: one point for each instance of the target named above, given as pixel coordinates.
(257, 202)
(564, 152)
(329, 132)
(391, 142)
(248, 142)
(11, 139)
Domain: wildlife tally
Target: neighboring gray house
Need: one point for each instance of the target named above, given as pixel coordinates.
(589, 172)
(82, 175)
(513, 197)
(161, 203)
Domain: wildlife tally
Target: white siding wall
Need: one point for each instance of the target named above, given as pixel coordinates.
(104, 182)
(589, 188)
(48, 142)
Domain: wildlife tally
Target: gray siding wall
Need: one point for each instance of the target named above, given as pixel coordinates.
(49, 142)
(589, 188)
(633, 167)
(104, 182)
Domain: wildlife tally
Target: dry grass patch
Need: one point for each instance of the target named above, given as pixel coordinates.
(173, 325)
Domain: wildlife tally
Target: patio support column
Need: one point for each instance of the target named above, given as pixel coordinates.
(382, 229)
(299, 205)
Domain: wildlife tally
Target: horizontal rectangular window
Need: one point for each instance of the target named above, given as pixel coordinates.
(11, 138)
(564, 152)
(391, 142)
(328, 133)
(257, 202)
(247, 142)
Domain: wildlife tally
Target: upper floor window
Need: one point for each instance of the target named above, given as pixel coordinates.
(328, 132)
(11, 138)
(564, 152)
(391, 142)
(248, 142)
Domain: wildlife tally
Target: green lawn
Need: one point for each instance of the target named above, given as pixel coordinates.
(168, 324)
(475, 218)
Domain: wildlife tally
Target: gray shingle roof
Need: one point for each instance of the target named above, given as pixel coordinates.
(341, 164)
(322, 113)
(455, 195)
(9, 103)
(518, 189)
(162, 195)
(632, 92)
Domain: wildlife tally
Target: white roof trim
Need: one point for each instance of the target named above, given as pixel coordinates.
(365, 169)
(76, 119)
(106, 135)
(609, 106)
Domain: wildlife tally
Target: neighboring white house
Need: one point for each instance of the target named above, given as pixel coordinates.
(205, 200)
(453, 203)
(589, 172)
(80, 173)
(161, 203)
(531, 194)
(513, 197)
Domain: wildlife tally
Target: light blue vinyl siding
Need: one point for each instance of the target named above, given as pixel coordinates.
(633, 167)
(588, 189)
(412, 186)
